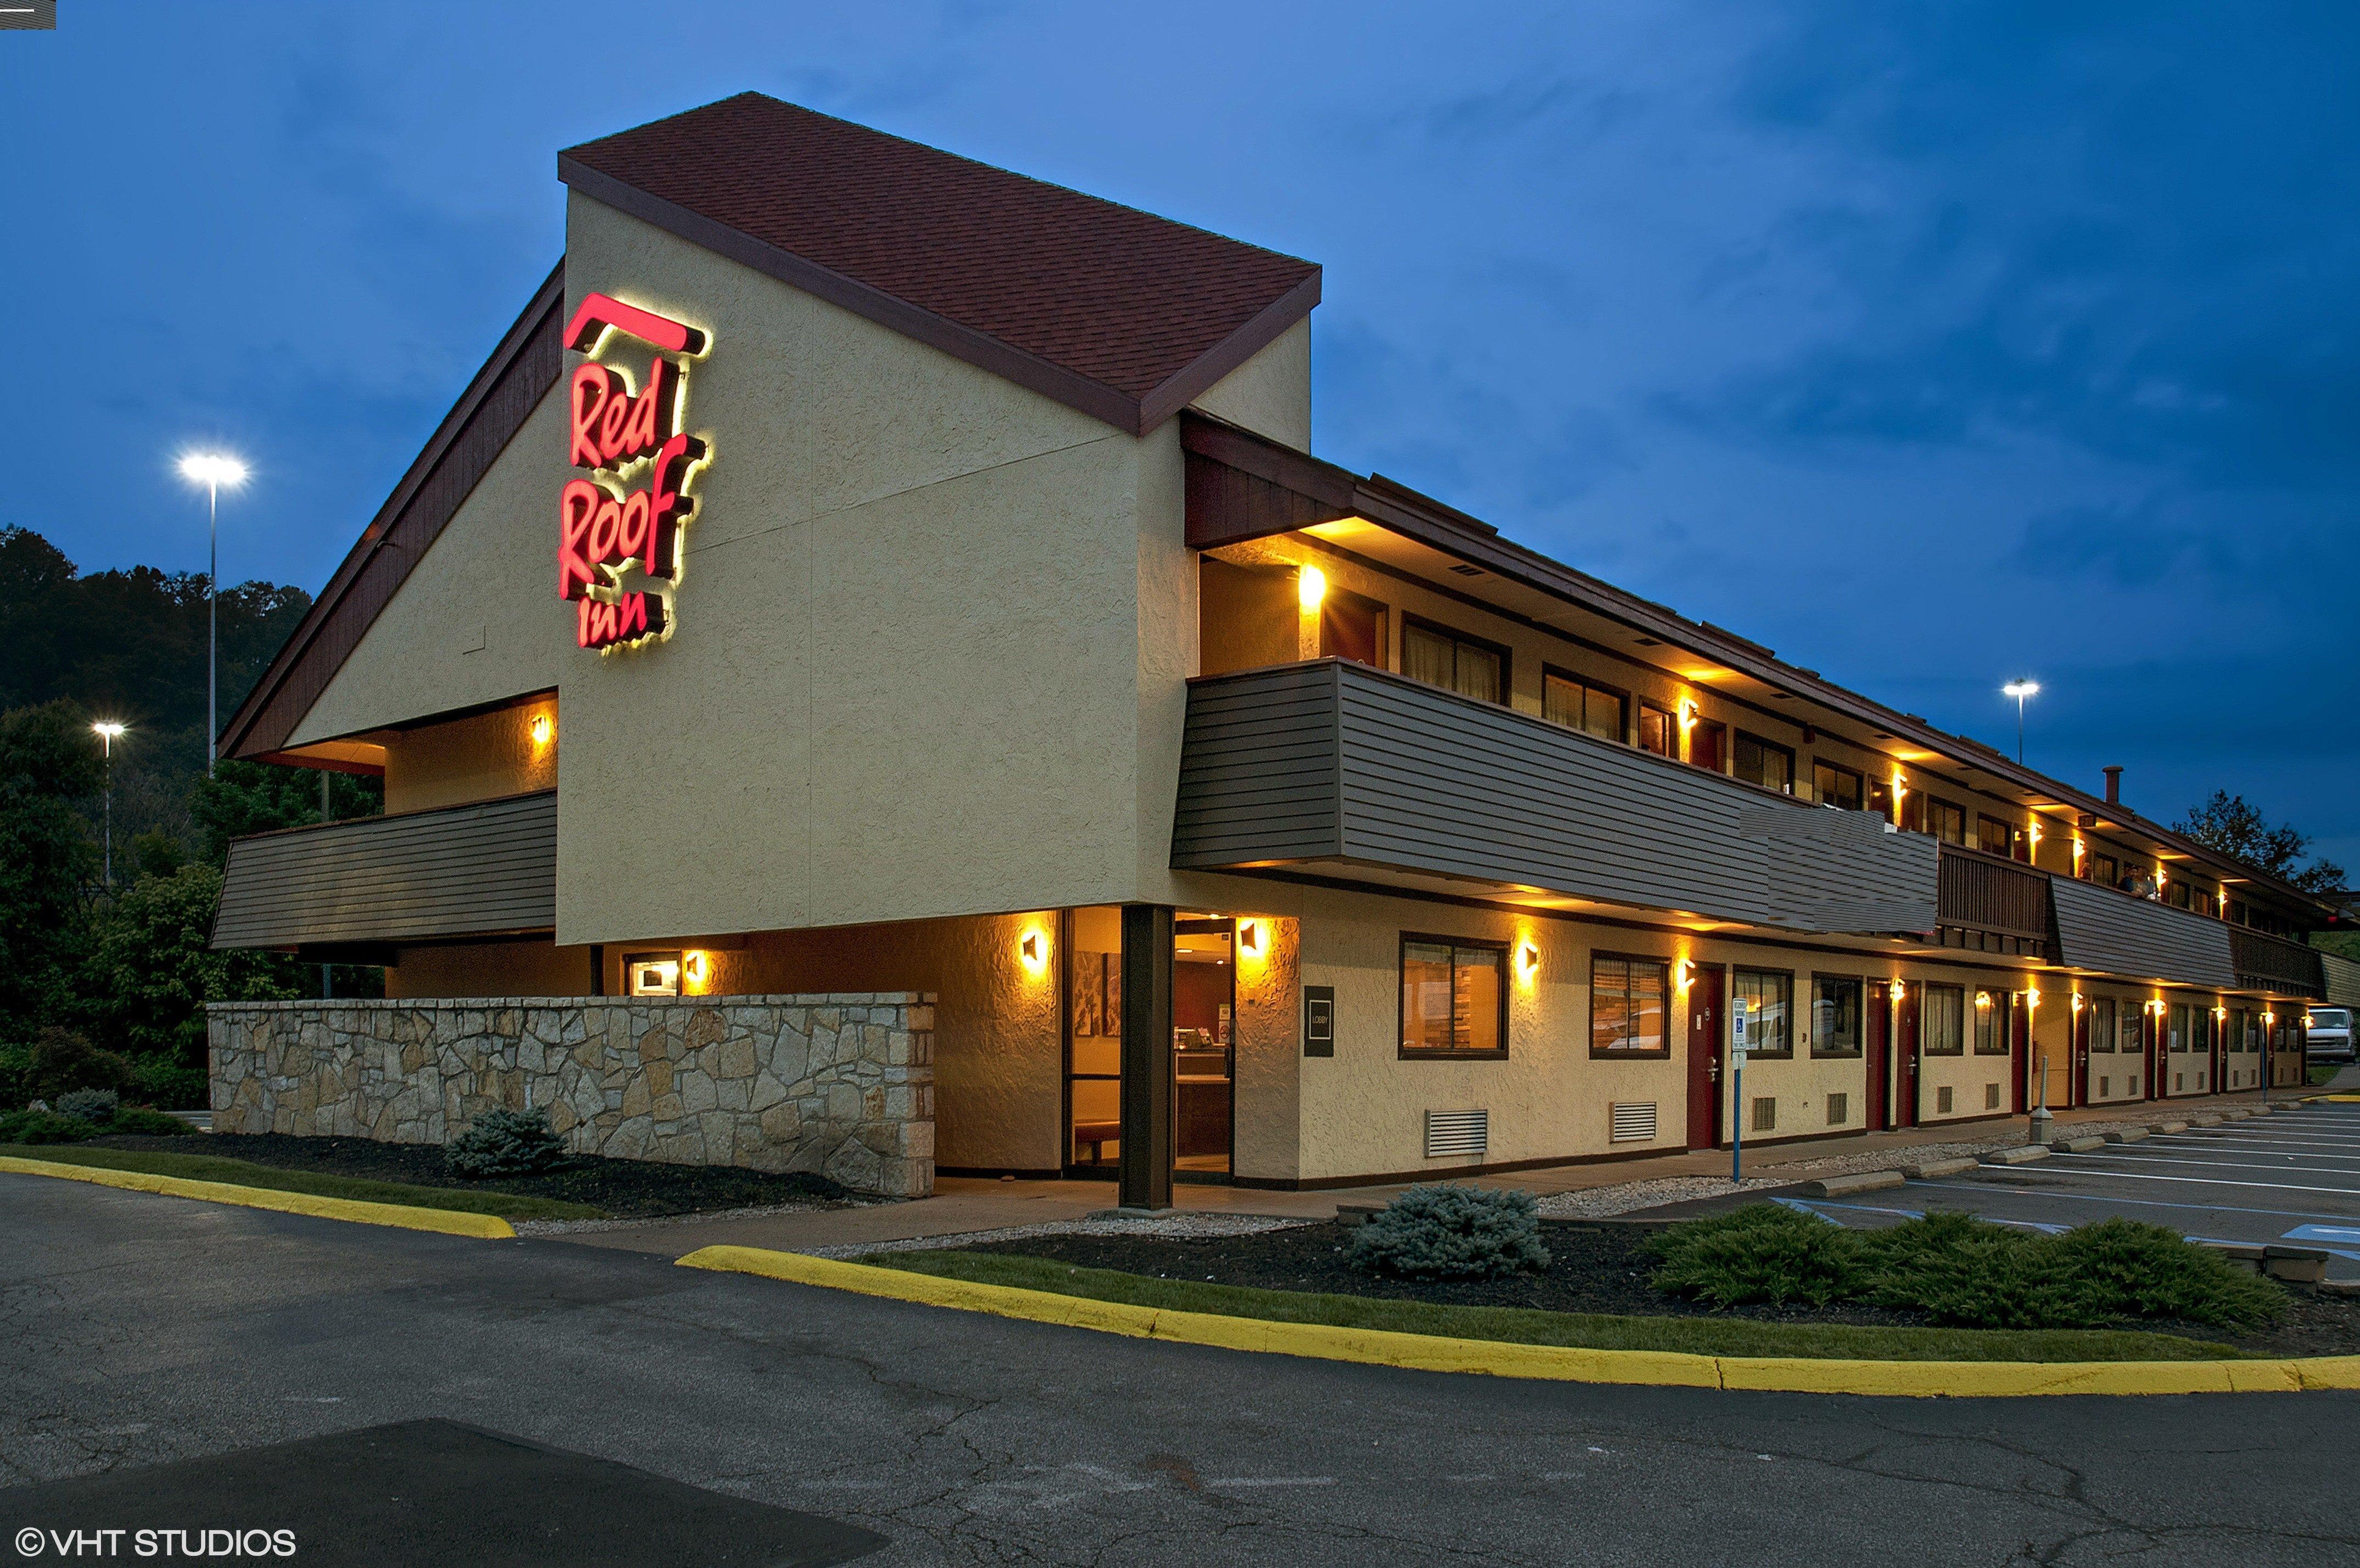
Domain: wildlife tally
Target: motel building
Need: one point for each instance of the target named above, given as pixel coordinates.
(870, 678)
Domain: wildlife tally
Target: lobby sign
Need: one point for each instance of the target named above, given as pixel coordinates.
(606, 527)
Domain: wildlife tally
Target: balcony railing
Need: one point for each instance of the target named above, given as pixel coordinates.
(485, 869)
(2273, 963)
(1983, 894)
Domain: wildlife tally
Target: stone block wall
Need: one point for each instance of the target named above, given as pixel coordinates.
(842, 1084)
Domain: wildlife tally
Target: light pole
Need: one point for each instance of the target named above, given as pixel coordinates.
(107, 730)
(212, 470)
(2020, 689)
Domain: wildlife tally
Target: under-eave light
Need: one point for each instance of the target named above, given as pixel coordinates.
(1310, 587)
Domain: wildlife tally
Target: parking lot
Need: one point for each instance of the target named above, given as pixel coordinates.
(2291, 1178)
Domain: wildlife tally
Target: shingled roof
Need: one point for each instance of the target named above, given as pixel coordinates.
(1119, 313)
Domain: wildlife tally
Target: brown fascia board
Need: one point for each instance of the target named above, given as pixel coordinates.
(1444, 528)
(298, 661)
(1133, 416)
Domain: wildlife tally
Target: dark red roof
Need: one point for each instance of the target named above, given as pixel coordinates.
(1119, 312)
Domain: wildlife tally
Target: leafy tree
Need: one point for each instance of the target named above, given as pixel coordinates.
(259, 797)
(47, 859)
(2229, 823)
(151, 968)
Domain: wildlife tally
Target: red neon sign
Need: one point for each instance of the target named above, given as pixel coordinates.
(601, 532)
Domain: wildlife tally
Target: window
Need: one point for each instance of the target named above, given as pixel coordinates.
(2183, 1027)
(2101, 1024)
(2133, 1031)
(1991, 835)
(1351, 628)
(652, 975)
(1946, 822)
(1836, 785)
(1627, 1012)
(1880, 798)
(2175, 892)
(2235, 1039)
(1944, 1028)
(1766, 763)
(1768, 998)
(1913, 812)
(1835, 1016)
(1656, 731)
(2104, 870)
(1470, 669)
(1708, 746)
(1579, 705)
(1991, 1022)
(1454, 997)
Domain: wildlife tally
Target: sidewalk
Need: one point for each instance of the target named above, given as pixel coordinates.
(965, 1204)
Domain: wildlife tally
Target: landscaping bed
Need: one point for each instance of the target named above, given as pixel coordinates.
(1591, 1271)
(589, 1186)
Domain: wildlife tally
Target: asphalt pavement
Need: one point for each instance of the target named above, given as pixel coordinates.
(2291, 1178)
(138, 1331)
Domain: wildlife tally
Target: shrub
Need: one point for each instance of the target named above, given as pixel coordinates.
(43, 1126)
(97, 1106)
(63, 1061)
(1763, 1252)
(2126, 1269)
(505, 1143)
(15, 1061)
(162, 1081)
(1964, 1271)
(148, 1122)
(1447, 1231)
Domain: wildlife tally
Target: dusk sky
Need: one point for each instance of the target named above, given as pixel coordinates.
(1930, 344)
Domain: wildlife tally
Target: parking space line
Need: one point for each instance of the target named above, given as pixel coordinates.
(1983, 1190)
(2279, 1151)
(2220, 1182)
(2079, 1160)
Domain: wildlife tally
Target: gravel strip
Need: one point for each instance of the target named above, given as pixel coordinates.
(1602, 1202)
(576, 1227)
(1189, 1228)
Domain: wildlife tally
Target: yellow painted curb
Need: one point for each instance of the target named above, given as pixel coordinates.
(1434, 1352)
(450, 1222)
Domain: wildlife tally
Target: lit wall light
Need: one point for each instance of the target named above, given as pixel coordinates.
(2220, 1012)
(695, 965)
(1982, 999)
(1034, 949)
(1528, 959)
(1310, 587)
(2077, 1001)
(1897, 991)
(1688, 713)
(2033, 832)
(1684, 974)
(541, 729)
(2032, 997)
(1249, 938)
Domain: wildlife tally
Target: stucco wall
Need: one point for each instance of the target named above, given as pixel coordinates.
(1271, 393)
(841, 1084)
(478, 757)
(491, 969)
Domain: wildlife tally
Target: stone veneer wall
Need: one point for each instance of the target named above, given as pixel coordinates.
(841, 1084)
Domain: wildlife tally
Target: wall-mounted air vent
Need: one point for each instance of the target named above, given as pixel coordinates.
(2106, 1088)
(1633, 1124)
(1990, 1096)
(1457, 1133)
(1465, 571)
(1942, 1099)
(1765, 1114)
(1839, 1109)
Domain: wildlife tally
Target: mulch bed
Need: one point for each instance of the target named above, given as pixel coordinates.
(1592, 1268)
(627, 1189)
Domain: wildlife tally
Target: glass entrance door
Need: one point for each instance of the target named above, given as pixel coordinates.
(1204, 1044)
(1093, 1009)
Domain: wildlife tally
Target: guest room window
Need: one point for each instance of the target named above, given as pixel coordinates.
(1766, 763)
(1454, 997)
(1945, 1025)
(1628, 1006)
(1579, 705)
(1454, 663)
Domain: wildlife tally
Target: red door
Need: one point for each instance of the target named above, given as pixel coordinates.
(1905, 1030)
(2077, 1087)
(1704, 1056)
(2019, 1045)
(2150, 1040)
(1880, 1053)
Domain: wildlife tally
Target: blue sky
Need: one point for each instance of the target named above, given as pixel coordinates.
(1929, 344)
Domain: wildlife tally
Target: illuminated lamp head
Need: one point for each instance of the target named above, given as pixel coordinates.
(541, 729)
(214, 470)
(1897, 990)
(1528, 959)
(1310, 587)
(1033, 949)
(695, 964)
(1249, 938)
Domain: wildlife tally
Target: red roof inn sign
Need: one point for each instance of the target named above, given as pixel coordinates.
(602, 527)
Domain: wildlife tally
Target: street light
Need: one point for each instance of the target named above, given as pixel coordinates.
(107, 730)
(213, 470)
(2020, 689)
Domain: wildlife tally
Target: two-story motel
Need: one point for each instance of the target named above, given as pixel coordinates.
(870, 677)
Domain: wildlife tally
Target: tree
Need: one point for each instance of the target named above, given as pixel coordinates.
(2228, 823)
(260, 797)
(48, 766)
(152, 968)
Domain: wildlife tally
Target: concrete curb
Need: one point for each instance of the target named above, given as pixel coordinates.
(1433, 1353)
(1857, 1181)
(2022, 1154)
(2076, 1145)
(449, 1222)
(2128, 1134)
(1933, 1170)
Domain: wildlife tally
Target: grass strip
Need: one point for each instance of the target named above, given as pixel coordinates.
(1587, 1331)
(319, 1184)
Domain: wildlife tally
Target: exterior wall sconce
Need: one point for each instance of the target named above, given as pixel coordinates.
(1528, 959)
(2269, 1018)
(1310, 587)
(1684, 974)
(1034, 949)
(1688, 713)
(2032, 831)
(1983, 1000)
(1250, 937)
(2077, 1001)
(1898, 991)
(543, 729)
(695, 964)
(2080, 849)
(2219, 1013)
(2032, 997)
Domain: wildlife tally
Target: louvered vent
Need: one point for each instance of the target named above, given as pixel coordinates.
(1633, 1124)
(1990, 1096)
(1765, 1114)
(1942, 1101)
(1457, 1132)
(2106, 1088)
(1839, 1109)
